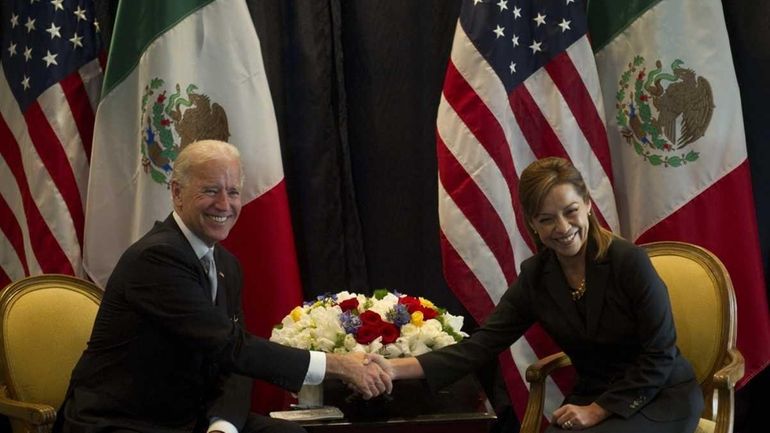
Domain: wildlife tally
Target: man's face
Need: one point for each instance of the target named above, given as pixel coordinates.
(210, 203)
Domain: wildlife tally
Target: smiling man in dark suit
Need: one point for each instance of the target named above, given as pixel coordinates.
(168, 352)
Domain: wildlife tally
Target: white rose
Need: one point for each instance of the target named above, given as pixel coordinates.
(442, 341)
(350, 342)
(344, 296)
(324, 344)
(455, 322)
(302, 340)
(374, 346)
(409, 330)
(418, 348)
(392, 350)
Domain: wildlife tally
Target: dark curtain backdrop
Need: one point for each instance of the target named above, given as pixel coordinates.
(356, 86)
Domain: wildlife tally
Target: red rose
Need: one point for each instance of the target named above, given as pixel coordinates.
(370, 317)
(349, 304)
(389, 332)
(367, 333)
(427, 313)
(412, 303)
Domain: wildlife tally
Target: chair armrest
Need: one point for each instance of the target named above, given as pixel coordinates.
(727, 376)
(33, 413)
(536, 374)
(541, 369)
(724, 388)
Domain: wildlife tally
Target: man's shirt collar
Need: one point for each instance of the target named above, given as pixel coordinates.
(196, 243)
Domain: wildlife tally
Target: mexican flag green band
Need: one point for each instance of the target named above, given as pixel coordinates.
(148, 20)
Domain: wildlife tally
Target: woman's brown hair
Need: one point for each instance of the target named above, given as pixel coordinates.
(536, 182)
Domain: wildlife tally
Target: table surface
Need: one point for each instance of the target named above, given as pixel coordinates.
(412, 407)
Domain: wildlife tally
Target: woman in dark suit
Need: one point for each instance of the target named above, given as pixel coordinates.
(601, 300)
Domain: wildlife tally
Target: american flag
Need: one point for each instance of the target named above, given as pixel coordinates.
(521, 84)
(49, 87)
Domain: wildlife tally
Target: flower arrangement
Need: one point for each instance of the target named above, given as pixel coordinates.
(389, 323)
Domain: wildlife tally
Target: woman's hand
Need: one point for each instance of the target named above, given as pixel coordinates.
(574, 417)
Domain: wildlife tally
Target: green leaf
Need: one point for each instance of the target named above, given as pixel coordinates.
(339, 341)
(155, 83)
(622, 118)
(655, 160)
(638, 60)
(380, 293)
(157, 176)
(692, 156)
(674, 161)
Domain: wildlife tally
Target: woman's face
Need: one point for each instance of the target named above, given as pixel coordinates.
(562, 223)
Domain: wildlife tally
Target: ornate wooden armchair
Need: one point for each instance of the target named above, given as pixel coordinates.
(46, 321)
(703, 304)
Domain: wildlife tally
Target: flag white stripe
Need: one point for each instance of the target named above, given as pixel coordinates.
(581, 55)
(555, 110)
(9, 260)
(12, 196)
(487, 85)
(478, 164)
(523, 357)
(464, 238)
(57, 111)
(42, 188)
(91, 75)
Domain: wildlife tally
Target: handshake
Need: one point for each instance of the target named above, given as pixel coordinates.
(368, 374)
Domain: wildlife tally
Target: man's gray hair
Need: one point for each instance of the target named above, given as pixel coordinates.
(199, 152)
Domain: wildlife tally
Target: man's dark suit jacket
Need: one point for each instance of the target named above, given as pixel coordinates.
(623, 345)
(161, 356)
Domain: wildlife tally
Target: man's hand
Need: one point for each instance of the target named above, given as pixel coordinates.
(363, 376)
(383, 363)
(573, 417)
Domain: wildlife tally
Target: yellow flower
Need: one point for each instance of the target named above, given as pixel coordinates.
(296, 313)
(417, 318)
(427, 303)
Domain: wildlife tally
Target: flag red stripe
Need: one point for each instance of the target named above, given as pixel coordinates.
(731, 234)
(4, 278)
(538, 132)
(567, 79)
(80, 105)
(46, 248)
(517, 389)
(12, 231)
(482, 123)
(55, 160)
(464, 283)
(476, 208)
(543, 345)
(534, 126)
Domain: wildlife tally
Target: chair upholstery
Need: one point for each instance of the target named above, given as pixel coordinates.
(46, 322)
(703, 305)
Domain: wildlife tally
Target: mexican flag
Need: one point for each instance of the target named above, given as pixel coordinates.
(177, 72)
(678, 148)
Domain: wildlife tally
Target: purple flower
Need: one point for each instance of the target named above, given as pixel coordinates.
(350, 322)
(399, 315)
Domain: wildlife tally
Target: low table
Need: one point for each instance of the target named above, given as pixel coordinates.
(411, 407)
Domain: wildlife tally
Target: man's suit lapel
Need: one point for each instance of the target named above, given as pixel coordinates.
(189, 255)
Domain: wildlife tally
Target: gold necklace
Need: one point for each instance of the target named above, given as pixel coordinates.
(579, 292)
